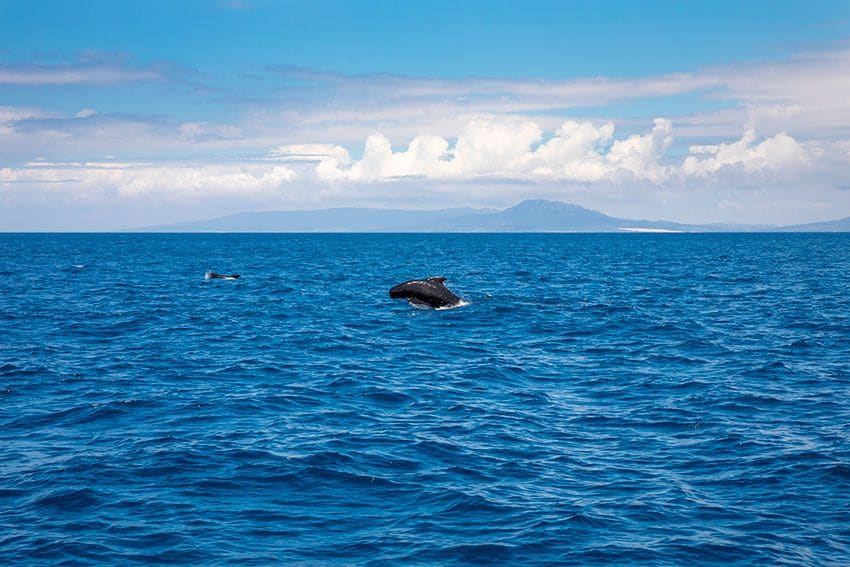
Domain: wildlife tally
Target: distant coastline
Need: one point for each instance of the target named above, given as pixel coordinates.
(537, 215)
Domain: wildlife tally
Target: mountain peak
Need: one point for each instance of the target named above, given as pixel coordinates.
(545, 205)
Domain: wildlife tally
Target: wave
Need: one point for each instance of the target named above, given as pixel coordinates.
(625, 411)
(458, 305)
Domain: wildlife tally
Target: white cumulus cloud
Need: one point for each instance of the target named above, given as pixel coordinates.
(501, 147)
(774, 153)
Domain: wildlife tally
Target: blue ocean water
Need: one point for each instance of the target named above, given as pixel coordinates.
(624, 399)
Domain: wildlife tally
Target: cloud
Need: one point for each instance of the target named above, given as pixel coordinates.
(802, 94)
(89, 135)
(183, 182)
(488, 149)
(197, 131)
(466, 141)
(499, 147)
(496, 147)
(13, 114)
(45, 75)
(777, 152)
(310, 152)
(490, 145)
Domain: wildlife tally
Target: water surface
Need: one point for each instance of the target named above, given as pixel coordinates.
(654, 399)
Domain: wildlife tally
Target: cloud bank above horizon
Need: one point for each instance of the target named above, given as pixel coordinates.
(102, 141)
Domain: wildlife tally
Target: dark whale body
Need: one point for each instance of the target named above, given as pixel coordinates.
(215, 276)
(429, 292)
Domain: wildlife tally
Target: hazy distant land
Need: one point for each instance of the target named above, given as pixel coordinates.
(536, 215)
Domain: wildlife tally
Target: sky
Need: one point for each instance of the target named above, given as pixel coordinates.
(116, 115)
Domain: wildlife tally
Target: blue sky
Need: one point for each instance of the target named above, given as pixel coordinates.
(119, 114)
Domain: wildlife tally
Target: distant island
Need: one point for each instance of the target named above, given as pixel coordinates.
(535, 215)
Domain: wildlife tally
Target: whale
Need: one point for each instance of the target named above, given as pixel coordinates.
(215, 276)
(430, 292)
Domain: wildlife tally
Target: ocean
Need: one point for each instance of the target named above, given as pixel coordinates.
(602, 398)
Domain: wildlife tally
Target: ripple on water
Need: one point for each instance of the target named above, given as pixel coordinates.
(601, 399)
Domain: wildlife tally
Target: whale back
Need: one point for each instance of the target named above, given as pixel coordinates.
(217, 276)
(430, 291)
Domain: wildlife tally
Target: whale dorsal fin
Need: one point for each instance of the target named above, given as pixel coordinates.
(438, 280)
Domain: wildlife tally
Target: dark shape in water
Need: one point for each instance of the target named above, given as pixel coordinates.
(430, 291)
(215, 276)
